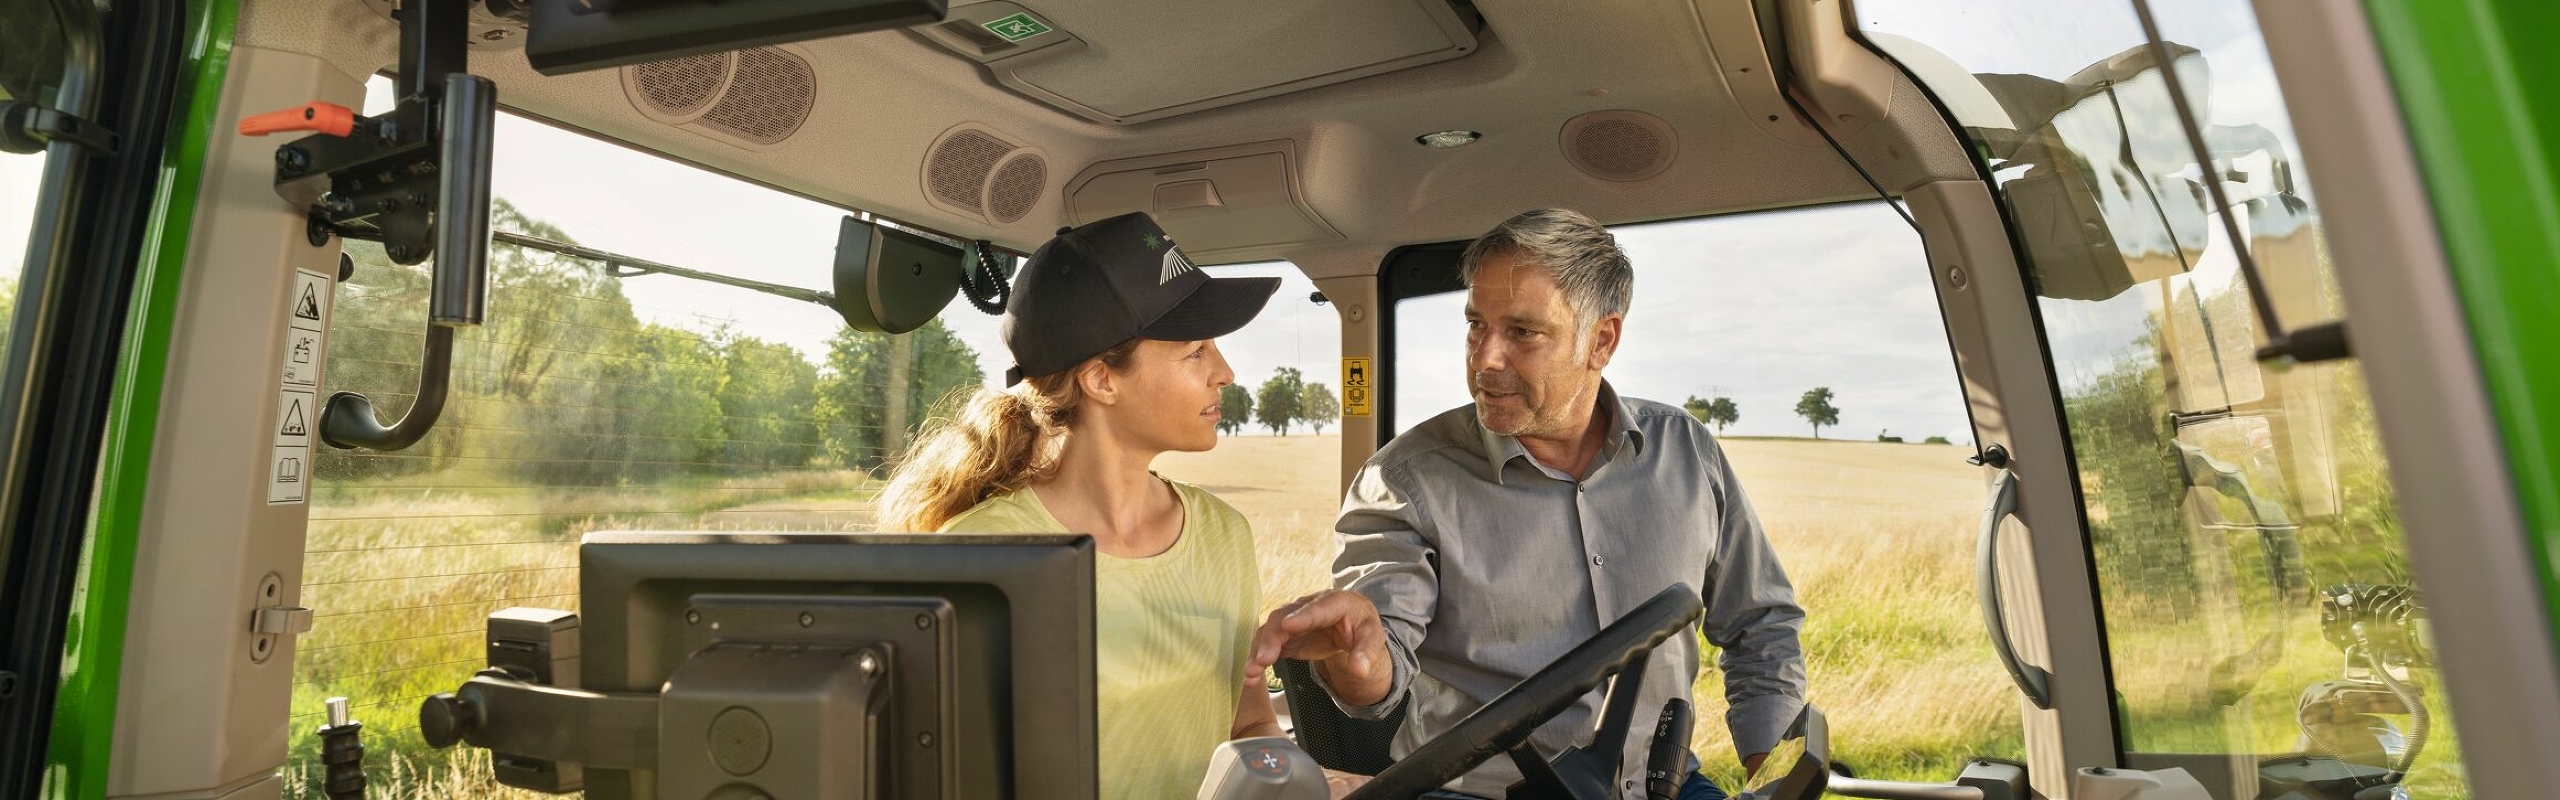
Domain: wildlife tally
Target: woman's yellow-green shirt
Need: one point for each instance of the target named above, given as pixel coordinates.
(1170, 632)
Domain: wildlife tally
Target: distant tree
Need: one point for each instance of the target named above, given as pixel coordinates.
(1280, 401)
(1815, 407)
(1936, 440)
(1723, 412)
(1718, 412)
(1235, 408)
(1317, 407)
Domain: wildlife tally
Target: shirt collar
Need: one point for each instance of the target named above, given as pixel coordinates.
(1501, 450)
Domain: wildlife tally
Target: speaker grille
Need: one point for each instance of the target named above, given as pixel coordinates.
(1619, 145)
(769, 99)
(956, 170)
(679, 87)
(1016, 187)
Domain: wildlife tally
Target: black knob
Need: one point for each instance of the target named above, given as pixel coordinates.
(444, 719)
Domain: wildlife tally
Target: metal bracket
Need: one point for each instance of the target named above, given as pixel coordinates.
(26, 127)
(270, 619)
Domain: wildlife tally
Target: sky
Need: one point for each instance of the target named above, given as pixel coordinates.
(1758, 307)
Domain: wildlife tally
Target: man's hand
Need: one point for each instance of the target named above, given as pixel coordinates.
(1340, 632)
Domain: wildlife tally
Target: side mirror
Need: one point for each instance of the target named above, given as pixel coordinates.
(892, 281)
(1799, 768)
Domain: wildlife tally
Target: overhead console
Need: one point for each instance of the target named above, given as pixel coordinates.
(1078, 55)
(1220, 204)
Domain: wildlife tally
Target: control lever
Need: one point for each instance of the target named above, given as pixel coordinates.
(1668, 766)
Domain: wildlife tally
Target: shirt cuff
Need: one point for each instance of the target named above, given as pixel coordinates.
(1401, 670)
(1758, 723)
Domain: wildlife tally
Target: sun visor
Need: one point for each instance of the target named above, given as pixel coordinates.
(1220, 203)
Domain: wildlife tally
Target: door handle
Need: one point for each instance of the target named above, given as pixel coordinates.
(2032, 680)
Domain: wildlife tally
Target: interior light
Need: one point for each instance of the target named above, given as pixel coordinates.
(1443, 140)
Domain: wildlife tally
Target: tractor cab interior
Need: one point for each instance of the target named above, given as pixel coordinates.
(2174, 553)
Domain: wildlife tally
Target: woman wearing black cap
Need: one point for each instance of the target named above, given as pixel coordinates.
(1110, 329)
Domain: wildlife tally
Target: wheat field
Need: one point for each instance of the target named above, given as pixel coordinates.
(1878, 539)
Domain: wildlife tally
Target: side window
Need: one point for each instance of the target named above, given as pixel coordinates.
(589, 401)
(1280, 460)
(2257, 602)
(1746, 319)
(20, 175)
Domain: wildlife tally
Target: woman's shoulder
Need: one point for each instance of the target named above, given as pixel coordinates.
(1009, 512)
(1205, 502)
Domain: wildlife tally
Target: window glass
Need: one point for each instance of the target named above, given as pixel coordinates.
(20, 175)
(31, 63)
(1282, 463)
(2249, 557)
(594, 402)
(1874, 521)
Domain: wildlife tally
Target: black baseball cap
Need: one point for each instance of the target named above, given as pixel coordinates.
(1111, 281)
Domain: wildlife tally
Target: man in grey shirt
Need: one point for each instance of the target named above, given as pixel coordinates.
(1484, 543)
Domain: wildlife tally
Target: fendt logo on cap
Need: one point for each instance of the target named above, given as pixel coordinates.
(1175, 264)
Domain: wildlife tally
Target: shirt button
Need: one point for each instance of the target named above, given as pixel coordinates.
(1599, 562)
(1631, 786)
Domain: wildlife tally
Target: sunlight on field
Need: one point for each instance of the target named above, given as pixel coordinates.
(1879, 540)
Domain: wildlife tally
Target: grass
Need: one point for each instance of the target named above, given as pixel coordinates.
(403, 573)
(1878, 538)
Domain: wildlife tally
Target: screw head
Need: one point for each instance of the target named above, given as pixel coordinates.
(692, 617)
(870, 665)
(924, 739)
(924, 621)
(807, 620)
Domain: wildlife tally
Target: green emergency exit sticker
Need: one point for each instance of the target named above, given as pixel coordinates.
(1017, 27)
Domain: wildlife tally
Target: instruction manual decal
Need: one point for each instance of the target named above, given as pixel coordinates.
(306, 342)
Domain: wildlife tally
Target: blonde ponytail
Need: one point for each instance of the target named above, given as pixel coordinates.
(997, 441)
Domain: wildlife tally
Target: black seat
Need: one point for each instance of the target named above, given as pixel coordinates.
(1335, 739)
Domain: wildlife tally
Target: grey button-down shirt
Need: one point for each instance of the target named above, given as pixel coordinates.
(1486, 565)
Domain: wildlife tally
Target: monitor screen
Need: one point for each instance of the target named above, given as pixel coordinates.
(908, 666)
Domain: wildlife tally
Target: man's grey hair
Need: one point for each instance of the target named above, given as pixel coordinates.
(1576, 251)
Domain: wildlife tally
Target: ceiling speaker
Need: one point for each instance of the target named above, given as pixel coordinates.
(1016, 186)
(1619, 145)
(754, 98)
(975, 171)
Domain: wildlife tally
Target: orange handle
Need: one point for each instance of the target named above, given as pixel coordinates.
(328, 118)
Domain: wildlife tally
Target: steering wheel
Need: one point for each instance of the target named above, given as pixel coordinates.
(1507, 721)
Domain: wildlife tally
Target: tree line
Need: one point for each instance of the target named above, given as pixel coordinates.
(1814, 406)
(1287, 399)
(567, 386)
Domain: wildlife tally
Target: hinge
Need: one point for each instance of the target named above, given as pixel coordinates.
(26, 127)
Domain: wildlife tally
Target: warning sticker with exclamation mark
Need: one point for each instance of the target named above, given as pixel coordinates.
(288, 472)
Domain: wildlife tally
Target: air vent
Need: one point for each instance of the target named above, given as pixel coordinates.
(1619, 145)
(754, 98)
(981, 173)
(1016, 187)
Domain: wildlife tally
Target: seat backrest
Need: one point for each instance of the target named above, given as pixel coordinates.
(1337, 740)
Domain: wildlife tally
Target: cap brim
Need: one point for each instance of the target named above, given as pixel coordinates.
(1219, 307)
